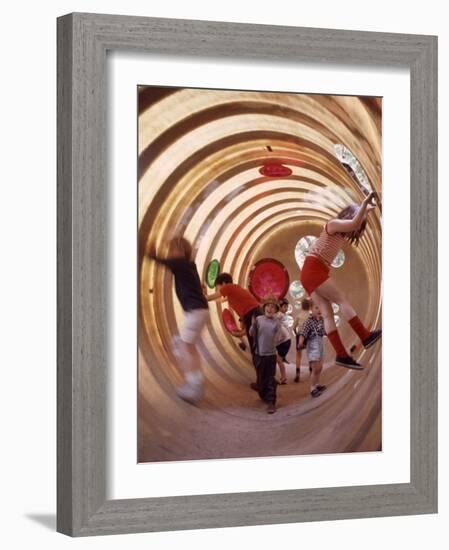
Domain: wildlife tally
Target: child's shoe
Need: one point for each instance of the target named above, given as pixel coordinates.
(372, 338)
(271, 409)
(193, 390)
(348, 362)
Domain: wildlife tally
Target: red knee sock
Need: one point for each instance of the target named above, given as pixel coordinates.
(335, 340)
(359, 328)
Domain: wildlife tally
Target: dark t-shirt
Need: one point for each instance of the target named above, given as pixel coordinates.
(187, 283)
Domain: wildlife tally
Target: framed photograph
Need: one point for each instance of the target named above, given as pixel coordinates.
(247, 264)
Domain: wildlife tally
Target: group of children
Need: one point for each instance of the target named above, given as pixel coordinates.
(265, 325)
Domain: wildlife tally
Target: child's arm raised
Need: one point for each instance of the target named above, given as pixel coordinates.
(346, 226)
(152, 255)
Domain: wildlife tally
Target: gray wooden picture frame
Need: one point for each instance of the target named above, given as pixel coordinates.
(83, 41)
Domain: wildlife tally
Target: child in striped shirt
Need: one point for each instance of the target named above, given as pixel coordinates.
(315, 277)
(313, 332)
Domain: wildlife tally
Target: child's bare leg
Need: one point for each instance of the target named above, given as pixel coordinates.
(315, 388)
(190, 356)
(332, 293)
(326, 310)
(329, 322)
(193, 389)
(317, 367)
(283, 374)
(298, 365)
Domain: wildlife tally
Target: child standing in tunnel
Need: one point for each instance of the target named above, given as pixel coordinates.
(312, 332)
(196, 314)
(283, 346)
(302, 316)
(315, 277)
(266, 330)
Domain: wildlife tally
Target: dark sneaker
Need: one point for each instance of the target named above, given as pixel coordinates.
(321, 388)
(315, 392)
(296, 379)
(372, 338)
(271, 408)
(348, 362)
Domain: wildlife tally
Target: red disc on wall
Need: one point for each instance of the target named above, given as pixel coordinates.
(229, 321)
(268, 277)
(275, 170)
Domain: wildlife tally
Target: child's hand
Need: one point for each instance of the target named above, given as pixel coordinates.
(370, 200)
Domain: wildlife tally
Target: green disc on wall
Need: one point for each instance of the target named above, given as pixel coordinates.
(213, 270)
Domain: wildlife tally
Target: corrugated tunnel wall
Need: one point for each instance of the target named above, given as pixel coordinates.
(200, 154)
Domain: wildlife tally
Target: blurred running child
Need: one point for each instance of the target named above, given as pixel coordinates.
(196, 314)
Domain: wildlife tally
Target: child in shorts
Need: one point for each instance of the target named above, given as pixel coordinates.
(196, 314)
(313, 332)
(316, 276)
(283, 346)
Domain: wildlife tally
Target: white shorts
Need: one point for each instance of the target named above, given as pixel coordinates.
(193, 324)
(315, 349)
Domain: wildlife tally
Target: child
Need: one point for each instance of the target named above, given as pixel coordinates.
(302, 316)
(196, 314)
(285, 341)
(240, 300)
(349, 225)
(265, 330)
(312, 331)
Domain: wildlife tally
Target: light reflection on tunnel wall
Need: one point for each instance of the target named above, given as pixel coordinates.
(200, 153)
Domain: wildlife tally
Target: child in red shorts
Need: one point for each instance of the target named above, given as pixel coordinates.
(315, 277)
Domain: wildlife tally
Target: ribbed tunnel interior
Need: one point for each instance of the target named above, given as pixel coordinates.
(200, 154)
